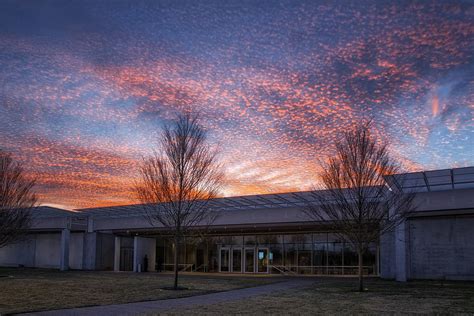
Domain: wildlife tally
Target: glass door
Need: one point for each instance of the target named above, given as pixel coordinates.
(249, 260)
(224, 260)
(237, 260)
(262, 260)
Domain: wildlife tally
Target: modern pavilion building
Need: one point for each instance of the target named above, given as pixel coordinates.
(265, 234)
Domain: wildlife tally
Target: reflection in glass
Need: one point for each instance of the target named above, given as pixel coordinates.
(249, 240)
(262, 260)
(225, 260)
(236, 260)
(249, 260)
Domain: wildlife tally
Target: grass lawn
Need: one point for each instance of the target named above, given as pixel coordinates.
(41, 289)
(336, 296)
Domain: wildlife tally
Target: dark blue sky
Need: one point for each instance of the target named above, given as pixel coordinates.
(84, 86)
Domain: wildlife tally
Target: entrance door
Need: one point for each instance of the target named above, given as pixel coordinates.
(249, 260)
(224, 260)
(237, 260)
(262, 260)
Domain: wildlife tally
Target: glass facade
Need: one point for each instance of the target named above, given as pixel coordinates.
(311, 253)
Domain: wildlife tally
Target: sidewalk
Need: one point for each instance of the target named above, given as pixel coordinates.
(169, 304)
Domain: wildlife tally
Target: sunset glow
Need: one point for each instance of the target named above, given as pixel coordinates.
(85, 87)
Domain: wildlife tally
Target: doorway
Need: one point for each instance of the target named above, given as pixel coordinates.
(244, 260)
(249, 260)
(224, 260)
(237, 260)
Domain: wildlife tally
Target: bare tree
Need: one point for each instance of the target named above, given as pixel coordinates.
(354, 198)
(179, 180)
(16, 200)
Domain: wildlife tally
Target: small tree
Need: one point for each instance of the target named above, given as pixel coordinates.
(353, 196)
(16, 200)
(179, 180)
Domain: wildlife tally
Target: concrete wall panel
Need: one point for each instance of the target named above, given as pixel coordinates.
(89, 251)
(76, 250)
(19, 253)
(387, 255)
(441, 247)
(47, 251)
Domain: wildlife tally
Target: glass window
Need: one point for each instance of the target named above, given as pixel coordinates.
(249, 260)
(250, 240)
(334, 238)
(268, 239)
(262, 256)
(275, 256)
(304, 262)
(319, 254)
(236, 260)
(225, 260)
(290, 255)
(213, 258)
(370, 259)
(350, 256)
(298, 238)
(335, 257)
(320, 237)
(227, 240)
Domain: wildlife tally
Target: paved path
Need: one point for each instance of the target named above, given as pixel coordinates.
(164, 305)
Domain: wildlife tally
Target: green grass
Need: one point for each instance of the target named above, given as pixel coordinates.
(337, 296)
(41, 289)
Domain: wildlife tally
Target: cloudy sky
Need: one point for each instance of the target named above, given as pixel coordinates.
(86, 85)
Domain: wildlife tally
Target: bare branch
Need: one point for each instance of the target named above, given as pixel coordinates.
(178, 182)
(353, 197)
(16, 200)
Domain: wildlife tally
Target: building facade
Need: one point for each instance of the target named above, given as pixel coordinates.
(268, 233)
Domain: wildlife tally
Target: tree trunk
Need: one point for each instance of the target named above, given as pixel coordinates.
(361, 277)
(176, 252)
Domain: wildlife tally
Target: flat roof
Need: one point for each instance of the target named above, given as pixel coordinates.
(433, 180)
(48, 212)
(422, 181)
(267, 201)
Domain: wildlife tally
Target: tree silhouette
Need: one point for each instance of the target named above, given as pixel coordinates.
(353, 196)
(16, 200)
(179, 180)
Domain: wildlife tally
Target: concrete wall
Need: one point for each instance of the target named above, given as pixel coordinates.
(76, 250)
(89, 251)
(387, 255)
(47, 250)
(43, 251)
(445, 200)
(144, 246)
(19, 253)
(441, 247)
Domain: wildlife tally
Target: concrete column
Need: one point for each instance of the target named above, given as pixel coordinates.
(64, 259)
(117, 254)
(90, 224)
(135, 254)
(401, 252)
(89, 251)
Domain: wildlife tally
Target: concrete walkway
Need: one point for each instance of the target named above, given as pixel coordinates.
(169, 304)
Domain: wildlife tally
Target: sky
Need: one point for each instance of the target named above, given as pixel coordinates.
(85, 87)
